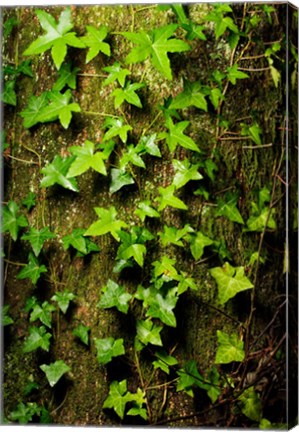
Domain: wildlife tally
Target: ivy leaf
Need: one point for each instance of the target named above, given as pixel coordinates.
(138, 400)
(148, 332)
(116, 72)
(77, 240)
(94, 41)
(8, 26)
(67, 77)
(24, 413)
(116, 127)
(251, 404)
(35, 105)
(114, 295)
(59, 108)
(37, 238)
(42, 313)
(167, 198)
(108, 348)
(56, 173)
(184, 172)
(145, 209)
(6, 319)
(174, 235)
(63, 299)
(9, 95)
(12, 220)
(131, 155)
(165, 268)
(191, 96)
(185, 283)
(32, 270)
(162, 307)
(82, 333)
(147, 144)
(230, 281)
(221, 22)
(128, 94)
(156, 45)
(176, 136)
(215, 96)
(108, 223)
(54, 371)
(85, 159)
(228, 208)
(117, 397)
(164, 361)
(194, 31)
(197, 244)
(132, 245)
(29, 201)
(56, 38)
(233, 74)
(38, 338)
(230, 348)
(188, 377)
(119, 179)
(258, 221)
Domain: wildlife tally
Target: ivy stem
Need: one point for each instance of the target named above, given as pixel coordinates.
(145, 8)
(254, 70)
(14, 262)
(22, 160)
(92, 75)
(100, 114)
(152, 123)
(142, 385)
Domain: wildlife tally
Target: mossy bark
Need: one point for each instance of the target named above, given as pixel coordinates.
(78, 398)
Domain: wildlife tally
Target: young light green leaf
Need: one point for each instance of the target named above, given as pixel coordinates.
(108, 348)
(59, 108)
(258, 221)
(128, 94)
(184, 172)
(67, 77)
(29, 201)
(164, 361)
(132, 245)
(162, 307)
(77, 240)
(197, 244)
(148, 145)
(119, 179)
(56, 38)
(116, 127)
(116, 72)
(107, 223)
(145, 209)
(230, 281)
(191, 96)
(35, 105)
(131, 155)
(63, 299)
(12, 221)
(230, 348)
(251, 404)
(233, 74)
(185, 283)
(86, 158)
(94, 41)
(114, 295)
(156, 45)
(148, 332)
(54, 371)
(117, 397)
(38, 338)
(24, 413)
(6, 319)
(222, 23)
(37, 238)
(167, 198)
(176, 136)
(82, 332)
(32, 270)
(56, 173)
(194, 31)
(42, 313)
(166, 268)
(9, 95)
(174, 235)
(216, 96)
(228, 208)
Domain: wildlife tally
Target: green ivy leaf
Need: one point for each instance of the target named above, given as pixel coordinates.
(56, 173)
(188, 377)
(216, 96)
(56, 38)
(116, 127)
(108, 348)
(164, 361)
(165, 268)
(132, 245)
(116, 73)
(58, 108)
(32, 270)
(131, 155)
(162, 307)
(128, 94)
(197, 244)
(37, 238)
(29, 201)
(54, 371)
(174, 235)
(42, 313)
(191, 96)
(193, 31)
(222, 23)
(94, 41)
(114, 295)
(6, 319)
(148, 332)
(38, 338)
(230, 348)
(82, 332)
(9, 95)
(148, 145)
(258, 221)
(117, 397)
(167, 198)
(185, 283)
(107, 223)
(176, 136)
(67, 77)
(77, 240)
(184, 172)
(233, 74)
(251, 404)
(138, 400)
(8, 25)
(12, 221)
(35, 105)
(145, 209)
(119, 179)
(63, 299)
(156, 45)
(24, 413)
(85, 159)
(214, 390)
(228, 208)
(230, 281)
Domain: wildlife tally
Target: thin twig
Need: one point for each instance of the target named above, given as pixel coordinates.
(257, 146)
(254, 70)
